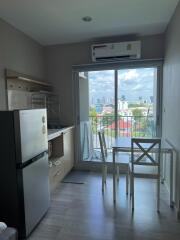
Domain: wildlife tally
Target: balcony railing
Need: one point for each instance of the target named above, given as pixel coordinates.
(127, 126)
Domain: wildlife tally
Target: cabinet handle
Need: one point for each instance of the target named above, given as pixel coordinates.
(58, 173)
(57, 163)
(43, 119)
(43, 129)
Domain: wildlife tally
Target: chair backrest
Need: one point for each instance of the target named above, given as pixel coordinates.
(145, 151)
(103, 147)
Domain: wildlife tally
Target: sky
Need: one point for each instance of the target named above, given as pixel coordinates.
(132, 83)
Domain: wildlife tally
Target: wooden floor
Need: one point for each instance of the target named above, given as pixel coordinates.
(81, 212)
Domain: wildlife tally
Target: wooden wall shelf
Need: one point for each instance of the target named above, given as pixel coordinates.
(21, 88)
(29, 80)
(9, 74)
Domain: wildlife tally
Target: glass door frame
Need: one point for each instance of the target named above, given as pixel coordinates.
(158, 64)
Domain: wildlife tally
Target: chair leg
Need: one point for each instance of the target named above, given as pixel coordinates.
(103, 177)
(132, 189)
(130, 175)
(158, 194)
(117, 173)
(105, 174)
(127, 182)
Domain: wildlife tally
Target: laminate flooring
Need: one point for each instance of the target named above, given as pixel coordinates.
(82, 212)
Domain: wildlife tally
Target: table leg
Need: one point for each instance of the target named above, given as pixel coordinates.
(163, 167)
(114, 177)
(171, 179)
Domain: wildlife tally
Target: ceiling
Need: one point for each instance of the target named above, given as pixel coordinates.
(60, 21)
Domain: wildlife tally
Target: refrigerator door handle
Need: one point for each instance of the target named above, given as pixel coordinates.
(25, 164)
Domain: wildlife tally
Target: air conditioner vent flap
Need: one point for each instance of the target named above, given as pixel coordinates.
(116, 51)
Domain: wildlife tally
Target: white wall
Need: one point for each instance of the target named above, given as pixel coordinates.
(19, 53)
(171, 89)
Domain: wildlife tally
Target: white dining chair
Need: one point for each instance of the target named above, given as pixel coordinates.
(122, 161)
(145, 163)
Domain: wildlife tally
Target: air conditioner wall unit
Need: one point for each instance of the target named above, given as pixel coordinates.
(116, 51)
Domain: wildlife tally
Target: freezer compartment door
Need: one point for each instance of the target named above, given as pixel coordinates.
(33, 133)
(36, 192)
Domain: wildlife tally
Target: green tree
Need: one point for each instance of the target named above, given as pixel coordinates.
(108, 119)
(93, 118)
(137, 113)
(133, 105)
(92, 112)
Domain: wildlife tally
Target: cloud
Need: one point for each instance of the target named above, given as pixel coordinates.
(93, 90)
(132, 83)
(128, 74)
(138, 87)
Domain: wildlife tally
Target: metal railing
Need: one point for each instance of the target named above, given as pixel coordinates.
(127, 126)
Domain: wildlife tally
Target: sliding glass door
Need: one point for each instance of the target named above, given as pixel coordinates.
(97, 110)
(124, 102)
(136, 101)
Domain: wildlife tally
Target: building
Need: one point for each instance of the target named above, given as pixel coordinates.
(122, 125)
(99, 107)
(122, 105)
(108, 109)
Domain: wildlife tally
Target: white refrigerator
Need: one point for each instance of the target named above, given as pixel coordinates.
(24, 170)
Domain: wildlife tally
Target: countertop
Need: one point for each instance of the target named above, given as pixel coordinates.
(54, 133)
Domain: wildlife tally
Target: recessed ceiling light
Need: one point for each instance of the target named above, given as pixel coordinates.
(87, 19)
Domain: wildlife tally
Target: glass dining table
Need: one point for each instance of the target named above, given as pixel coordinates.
(123, 144)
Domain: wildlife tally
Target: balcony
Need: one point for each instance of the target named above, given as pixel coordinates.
(127, 126)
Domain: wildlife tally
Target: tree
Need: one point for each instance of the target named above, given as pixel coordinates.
(108, 119)
(137, 113)
(133, 105)
(93, 118)
(123, 98)
(92, 112)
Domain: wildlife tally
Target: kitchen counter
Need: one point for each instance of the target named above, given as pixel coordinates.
(54, 133)
(61, 154)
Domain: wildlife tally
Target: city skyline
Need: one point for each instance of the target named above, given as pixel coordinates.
(134, 84)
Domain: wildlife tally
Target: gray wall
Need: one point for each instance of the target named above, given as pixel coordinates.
(171, 89)
(19, 53)
(60, 58)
